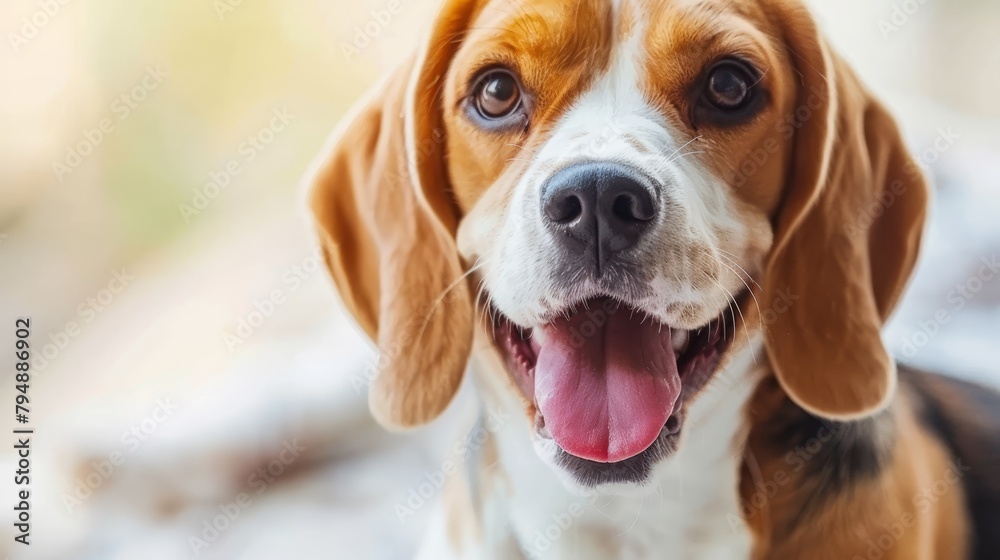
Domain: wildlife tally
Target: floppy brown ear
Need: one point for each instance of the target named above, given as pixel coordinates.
(386, 220)
(847, 236)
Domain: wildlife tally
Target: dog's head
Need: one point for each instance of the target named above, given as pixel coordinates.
(615, 195)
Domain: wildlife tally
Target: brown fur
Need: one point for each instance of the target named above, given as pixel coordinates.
(844, 253)
(905, 501)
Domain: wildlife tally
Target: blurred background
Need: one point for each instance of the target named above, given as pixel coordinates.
(191, 360)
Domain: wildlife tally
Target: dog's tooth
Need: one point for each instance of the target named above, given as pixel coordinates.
(680, 338)
(540, 427)
(538, 336)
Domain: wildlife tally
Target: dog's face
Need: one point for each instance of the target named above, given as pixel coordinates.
(608, 192)
(605, 210)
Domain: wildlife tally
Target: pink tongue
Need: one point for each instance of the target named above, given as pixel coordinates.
(606, 383)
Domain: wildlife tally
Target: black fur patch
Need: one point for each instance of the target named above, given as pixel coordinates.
(858, 451)
(830, 457)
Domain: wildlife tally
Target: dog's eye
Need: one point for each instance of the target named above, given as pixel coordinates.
(728, 94)
(728, 86)
(497, 95)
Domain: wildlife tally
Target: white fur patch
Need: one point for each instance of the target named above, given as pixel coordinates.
(689, 510)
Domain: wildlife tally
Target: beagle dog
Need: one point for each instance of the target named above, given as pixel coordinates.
(662, 236)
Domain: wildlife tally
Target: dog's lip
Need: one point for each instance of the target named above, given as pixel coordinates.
(672, 426)
(575, 304)
(581, 299)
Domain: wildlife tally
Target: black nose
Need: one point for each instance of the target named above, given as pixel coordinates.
(597, 209)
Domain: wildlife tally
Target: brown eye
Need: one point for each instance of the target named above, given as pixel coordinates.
(498, 95)
(728, 86)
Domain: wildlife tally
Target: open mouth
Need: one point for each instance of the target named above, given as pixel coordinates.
(609, 384)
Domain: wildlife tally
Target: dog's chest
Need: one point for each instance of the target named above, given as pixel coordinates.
(656, 526)
(689, 511)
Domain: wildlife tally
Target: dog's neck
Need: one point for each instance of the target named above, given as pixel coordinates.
(691, 500)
